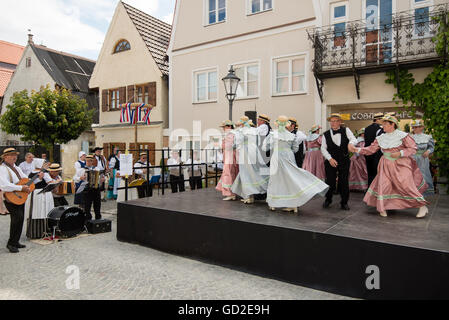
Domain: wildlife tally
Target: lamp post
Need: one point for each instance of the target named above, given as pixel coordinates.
(231, 83)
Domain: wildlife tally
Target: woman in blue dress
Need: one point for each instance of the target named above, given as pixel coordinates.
(426, 147)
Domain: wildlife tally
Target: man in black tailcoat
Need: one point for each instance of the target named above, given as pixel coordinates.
(371, 133)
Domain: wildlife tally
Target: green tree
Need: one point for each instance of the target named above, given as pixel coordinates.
(430, 96)
(47, 117)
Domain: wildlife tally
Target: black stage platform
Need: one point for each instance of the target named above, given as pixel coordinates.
(328, 250)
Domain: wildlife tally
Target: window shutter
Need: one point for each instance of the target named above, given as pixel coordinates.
(131, 94)
(122, 97)
(105, 101)
(151, 87)
(106, 151)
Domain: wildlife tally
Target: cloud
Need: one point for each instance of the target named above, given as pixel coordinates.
(75, 26)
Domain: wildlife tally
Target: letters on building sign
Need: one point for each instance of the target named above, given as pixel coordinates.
(363, 116)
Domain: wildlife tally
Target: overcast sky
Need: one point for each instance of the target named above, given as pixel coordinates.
(74, 26)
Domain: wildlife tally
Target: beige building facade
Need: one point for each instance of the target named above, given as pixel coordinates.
(265, 42)
(132, 67)
(388, 35)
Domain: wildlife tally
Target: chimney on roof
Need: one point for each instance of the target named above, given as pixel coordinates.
(30, 37)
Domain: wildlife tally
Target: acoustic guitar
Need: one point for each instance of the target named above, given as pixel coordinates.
(19, 197)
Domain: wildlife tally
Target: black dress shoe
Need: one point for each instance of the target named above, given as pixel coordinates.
(12, 249)
(20, 246)
(345, 207)
(327, 204)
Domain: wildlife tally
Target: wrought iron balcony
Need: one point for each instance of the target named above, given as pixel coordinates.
(402, 40)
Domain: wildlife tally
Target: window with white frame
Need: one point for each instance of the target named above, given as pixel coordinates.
(339, 17)
(215, 11)
(206, 88)
(249, 80)
(256, 6)
(422, 17)
(289, 75)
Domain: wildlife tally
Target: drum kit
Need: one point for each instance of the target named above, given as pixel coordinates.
(67, 221)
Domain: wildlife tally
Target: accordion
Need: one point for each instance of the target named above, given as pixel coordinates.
(93, 178)
(66, 187)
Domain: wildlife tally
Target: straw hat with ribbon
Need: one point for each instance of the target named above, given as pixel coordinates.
(264, 117)
(378, 116)
(227, 123)
(315, 128)
(334, 115)
(417, 123)
(391, 118)
(283, 121)
(55, 167)
(10, 152)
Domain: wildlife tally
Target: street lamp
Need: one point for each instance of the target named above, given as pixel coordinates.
(231, 83)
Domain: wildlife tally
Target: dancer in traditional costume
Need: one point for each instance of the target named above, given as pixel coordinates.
(230, 165)
(254, 174)
(314, 160)
(426, 147)
(399, 183)
(335, 150)
(290, 187)
(114, 166)
(300, 139)
(358, 173)
(371, 133)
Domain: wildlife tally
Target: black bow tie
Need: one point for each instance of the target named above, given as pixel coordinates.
(339, 131)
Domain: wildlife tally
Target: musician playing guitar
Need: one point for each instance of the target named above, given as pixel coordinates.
(10, 175)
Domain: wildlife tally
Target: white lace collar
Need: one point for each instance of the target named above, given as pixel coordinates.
(391, 140)
(313, 137)
(421, 138)
(283, 135)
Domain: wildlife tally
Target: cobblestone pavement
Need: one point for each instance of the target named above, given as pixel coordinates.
(113, 270)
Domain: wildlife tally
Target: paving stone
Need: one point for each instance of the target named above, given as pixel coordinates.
(119, 271)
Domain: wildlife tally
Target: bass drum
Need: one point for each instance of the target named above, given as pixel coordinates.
(68, 221)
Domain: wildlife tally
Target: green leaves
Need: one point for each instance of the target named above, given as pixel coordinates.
(431, 97)
(47, 117)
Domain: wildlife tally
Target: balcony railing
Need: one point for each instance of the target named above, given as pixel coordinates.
(370, 45)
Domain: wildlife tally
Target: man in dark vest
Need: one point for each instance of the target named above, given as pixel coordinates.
(335, 150)
(371, 133)
(300, 139)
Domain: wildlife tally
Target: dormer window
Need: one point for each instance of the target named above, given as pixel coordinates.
(122, 45)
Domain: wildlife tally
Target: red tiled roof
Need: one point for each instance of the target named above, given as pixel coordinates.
(5, 77)
(10, 53)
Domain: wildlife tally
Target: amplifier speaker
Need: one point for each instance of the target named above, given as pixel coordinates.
(99, 226)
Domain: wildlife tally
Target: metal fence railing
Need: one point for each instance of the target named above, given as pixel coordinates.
(211, 168)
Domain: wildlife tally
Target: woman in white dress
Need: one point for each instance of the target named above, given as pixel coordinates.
(38, 205)
(290, 187)
(253, 173)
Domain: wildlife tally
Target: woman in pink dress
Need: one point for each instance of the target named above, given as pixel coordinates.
(230, 164)
(358, 172)
(399, 183)
(314, 160)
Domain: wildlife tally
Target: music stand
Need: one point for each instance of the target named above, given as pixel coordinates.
(50, 187)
